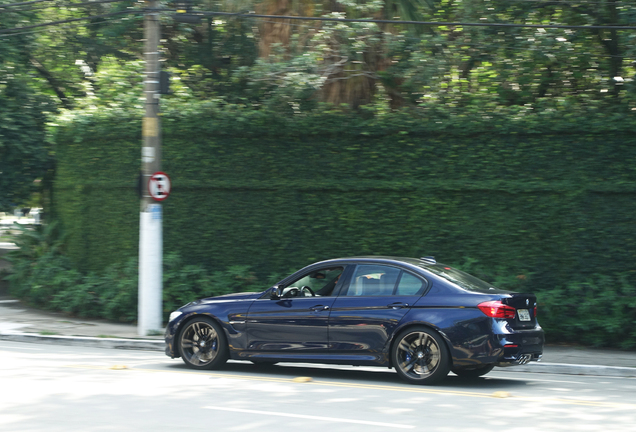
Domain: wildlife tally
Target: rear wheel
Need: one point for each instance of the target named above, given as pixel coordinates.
(202, 344)
(419, 356)
(473, 372)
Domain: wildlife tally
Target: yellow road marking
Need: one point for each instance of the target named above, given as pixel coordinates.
(411, 389)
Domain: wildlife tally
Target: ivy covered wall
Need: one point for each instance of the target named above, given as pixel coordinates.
(551, 195)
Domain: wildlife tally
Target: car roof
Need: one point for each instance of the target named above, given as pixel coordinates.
(414, 263)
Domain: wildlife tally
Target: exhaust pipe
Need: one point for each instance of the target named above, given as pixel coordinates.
(512, 361)
(524, 358)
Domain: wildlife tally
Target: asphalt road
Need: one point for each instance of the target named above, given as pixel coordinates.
(62, 388)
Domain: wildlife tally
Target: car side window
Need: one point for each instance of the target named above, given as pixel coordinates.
(410, 285)
(320, 283)
(373, 280)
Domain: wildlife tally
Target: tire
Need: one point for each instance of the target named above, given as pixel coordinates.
(202, 344)
(474, 372)
(419, 356)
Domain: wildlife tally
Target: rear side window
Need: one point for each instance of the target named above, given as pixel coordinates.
(380, 280)
(410, 285)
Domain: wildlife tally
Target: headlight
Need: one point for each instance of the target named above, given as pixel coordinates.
(174, 315)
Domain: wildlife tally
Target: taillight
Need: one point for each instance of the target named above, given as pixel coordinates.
(535, 311)
(496, 309)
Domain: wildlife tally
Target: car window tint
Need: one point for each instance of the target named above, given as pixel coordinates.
(410, 285)
(322, 282)
(458, 277)
(373, 280)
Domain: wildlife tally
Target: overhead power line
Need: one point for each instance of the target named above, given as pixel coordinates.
(3, 6)
(94, 2)
(68, 4)
(569, 2)
(37, 5)
(424, 23)
(64, 27)
(9, 32)
(331, 19)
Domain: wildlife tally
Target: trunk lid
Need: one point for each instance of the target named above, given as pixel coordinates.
(525, 305)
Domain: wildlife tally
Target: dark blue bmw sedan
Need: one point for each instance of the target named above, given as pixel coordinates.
(418, 316)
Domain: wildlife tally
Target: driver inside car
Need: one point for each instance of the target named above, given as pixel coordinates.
(317, 283)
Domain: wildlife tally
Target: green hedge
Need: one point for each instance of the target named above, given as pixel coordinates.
(552, 194)
(542, 201)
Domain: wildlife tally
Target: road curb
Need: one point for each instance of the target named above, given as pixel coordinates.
(112, 343)
(573, 369)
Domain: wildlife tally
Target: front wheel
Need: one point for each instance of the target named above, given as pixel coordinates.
(419, 356)
(202, 344)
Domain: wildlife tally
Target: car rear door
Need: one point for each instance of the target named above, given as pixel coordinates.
(368, 309)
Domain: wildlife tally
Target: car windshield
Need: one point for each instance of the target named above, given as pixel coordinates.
(458, 277)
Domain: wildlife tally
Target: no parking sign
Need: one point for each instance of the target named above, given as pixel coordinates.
(159, 186)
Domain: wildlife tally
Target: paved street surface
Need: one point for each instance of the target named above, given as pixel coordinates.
(64, 388)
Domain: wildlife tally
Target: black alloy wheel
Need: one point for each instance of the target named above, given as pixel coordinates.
(473, 373)
(420, 356)
(202, 344)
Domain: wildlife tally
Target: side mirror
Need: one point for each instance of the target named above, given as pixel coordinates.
(275, 292)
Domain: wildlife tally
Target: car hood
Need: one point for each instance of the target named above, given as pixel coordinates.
(234, 296)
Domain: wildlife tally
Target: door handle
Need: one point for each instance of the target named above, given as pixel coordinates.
(397, 305)
(319, 308)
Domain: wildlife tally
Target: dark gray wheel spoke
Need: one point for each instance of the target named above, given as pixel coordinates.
(405, 346)
(423, 367)
(187, 343)
(195, 359)
(408, 366)
(422, 336)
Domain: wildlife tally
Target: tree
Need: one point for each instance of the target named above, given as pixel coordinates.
(24, 152)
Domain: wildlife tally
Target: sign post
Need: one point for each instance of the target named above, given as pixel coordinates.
(150, 218)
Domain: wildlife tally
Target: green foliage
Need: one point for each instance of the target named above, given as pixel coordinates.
(46, 280)
(550, 192)
(183, 282)
(44, 277)
(538, 199)
(600, 311)
(36, 265)
(24, 150)
(500, 276)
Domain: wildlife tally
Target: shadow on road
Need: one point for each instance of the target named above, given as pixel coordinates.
(373, 376)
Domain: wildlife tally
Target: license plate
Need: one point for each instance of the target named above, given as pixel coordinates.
(524, 314)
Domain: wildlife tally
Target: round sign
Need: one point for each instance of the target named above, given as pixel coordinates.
(159, 186)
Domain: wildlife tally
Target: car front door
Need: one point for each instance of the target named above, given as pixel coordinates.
(295, 325)
(369, 308)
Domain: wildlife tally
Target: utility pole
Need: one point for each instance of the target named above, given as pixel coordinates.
(151, 216)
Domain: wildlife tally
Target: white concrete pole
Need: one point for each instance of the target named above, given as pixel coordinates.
(151, 215)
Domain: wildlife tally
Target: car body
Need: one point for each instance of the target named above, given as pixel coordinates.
(421, 317)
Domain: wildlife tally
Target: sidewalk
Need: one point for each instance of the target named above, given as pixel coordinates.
(24, 324)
